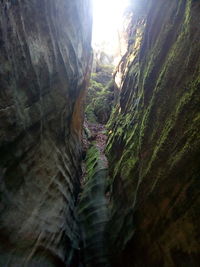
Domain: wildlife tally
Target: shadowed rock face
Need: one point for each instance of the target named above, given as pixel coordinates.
(93, 211)
(154, 147)
(44, 66)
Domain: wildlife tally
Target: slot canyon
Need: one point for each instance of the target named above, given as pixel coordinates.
(99, 163)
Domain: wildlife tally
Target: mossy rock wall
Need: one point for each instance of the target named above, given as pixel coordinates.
(93, 210)
(154, 144)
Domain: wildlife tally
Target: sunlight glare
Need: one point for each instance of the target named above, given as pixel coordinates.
(107, 21)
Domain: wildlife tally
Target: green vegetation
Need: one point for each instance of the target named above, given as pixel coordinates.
(153, 130)
(100, 95)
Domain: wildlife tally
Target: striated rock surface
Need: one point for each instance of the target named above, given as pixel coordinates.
(93, 203)
(44, 66)
(154, 142)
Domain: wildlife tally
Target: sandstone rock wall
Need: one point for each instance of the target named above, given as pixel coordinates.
(44, 66)
(93, 210)
(154, 144)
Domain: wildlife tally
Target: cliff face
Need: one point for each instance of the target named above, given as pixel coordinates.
(93, 211)
(44, 65)
(154, 145)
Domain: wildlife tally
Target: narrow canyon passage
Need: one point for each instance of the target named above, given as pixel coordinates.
(99, 140)
(93, 203)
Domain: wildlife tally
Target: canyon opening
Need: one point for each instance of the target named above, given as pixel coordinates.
(99, 133)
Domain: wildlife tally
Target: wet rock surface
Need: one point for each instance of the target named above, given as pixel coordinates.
(44, 66)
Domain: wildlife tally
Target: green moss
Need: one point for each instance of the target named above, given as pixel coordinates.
(89, 112)
(100, 95)
(91, 161)
(153, 145)
(95, 87)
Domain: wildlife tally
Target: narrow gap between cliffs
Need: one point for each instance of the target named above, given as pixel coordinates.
(109, 45)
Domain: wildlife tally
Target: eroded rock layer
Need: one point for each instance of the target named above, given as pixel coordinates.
(154, 146)
(44, 65)
(93, 210)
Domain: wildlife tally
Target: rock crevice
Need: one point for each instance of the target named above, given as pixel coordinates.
(144, 209)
